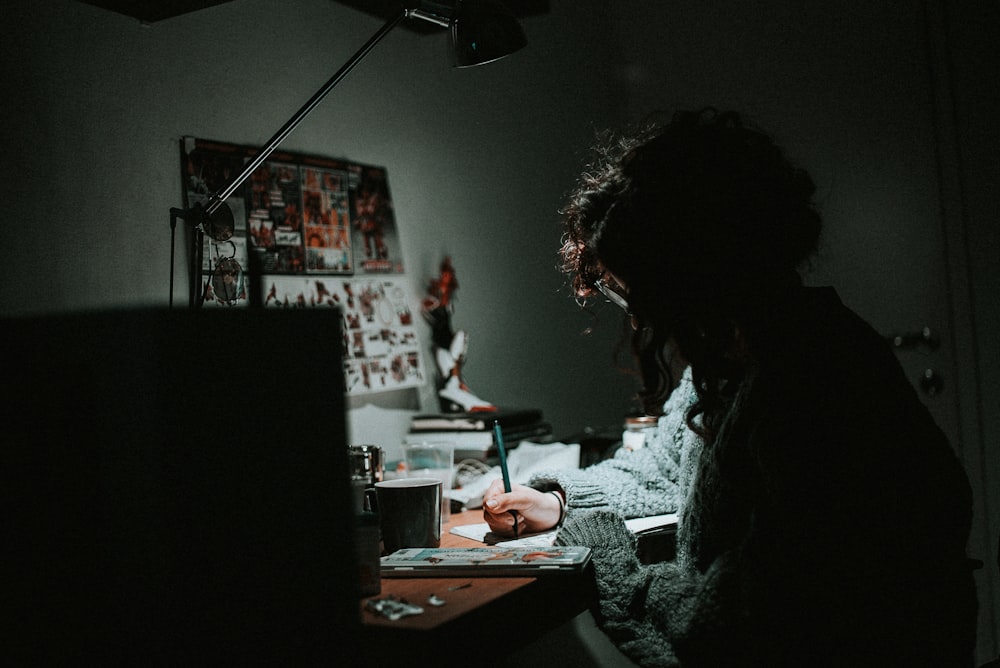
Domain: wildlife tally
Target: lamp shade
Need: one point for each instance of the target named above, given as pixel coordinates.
(483, 31)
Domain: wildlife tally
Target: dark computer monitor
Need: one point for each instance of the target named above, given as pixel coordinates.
(179, 487)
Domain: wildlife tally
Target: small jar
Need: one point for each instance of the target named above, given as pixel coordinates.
(637, 427)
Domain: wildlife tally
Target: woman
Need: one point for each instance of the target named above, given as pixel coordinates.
(633, 483)
(827, 518)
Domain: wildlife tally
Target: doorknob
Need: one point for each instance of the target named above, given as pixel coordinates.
(925, 337)
(931, 382)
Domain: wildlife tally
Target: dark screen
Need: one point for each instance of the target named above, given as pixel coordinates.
(180, 486)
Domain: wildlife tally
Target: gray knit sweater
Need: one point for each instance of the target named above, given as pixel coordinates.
(649, 481)
(652, 480)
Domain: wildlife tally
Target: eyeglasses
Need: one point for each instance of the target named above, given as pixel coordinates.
(615, 294)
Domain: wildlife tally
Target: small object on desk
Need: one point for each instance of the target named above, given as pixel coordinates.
(393, 608)
(502, 451)
(637, 429)
(367, 462)
(433, 459)
(464, 585)
(436, 601)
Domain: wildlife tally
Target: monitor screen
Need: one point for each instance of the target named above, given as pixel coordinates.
(180, 486)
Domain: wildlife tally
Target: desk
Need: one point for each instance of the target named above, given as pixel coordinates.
(469, 623)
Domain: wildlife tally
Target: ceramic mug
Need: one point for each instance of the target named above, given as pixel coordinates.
(409, 511)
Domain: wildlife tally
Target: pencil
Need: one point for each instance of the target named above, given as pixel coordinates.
(504, 471)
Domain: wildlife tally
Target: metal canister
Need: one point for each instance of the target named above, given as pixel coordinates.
(367, 461)
(367, 466)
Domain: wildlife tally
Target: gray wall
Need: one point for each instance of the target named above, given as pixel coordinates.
(888, 103)
(478, 161)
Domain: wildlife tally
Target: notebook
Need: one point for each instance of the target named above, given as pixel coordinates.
(492, 561)
(640, 526)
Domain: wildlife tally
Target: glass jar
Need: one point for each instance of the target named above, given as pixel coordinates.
(637, 428)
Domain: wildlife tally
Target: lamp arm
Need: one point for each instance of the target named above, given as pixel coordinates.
(220, 197)
(215, 219)
(201, 217)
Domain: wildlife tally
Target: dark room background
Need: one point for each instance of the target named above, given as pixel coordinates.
(888, 103)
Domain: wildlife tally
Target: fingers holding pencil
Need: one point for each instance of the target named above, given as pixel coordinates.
(504, 470)
(536, 511)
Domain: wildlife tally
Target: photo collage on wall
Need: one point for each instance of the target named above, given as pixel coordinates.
(311, 232)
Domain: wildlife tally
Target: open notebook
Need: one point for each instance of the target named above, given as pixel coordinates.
(640, 526)
(484, 561)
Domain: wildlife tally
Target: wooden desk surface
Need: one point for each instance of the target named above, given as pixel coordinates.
(466, 623)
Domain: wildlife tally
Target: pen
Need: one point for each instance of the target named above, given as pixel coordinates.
(498, 437)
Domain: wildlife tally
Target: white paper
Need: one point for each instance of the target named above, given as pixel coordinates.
(640, 524)
(479, 531)
(636, 525)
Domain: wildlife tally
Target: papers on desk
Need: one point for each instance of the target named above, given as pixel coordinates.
(640, 525)
(482, 533)
(522, 463)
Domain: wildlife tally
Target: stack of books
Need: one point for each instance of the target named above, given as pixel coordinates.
(472, 433)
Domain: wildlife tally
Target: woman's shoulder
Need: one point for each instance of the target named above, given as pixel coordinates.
(822, 335)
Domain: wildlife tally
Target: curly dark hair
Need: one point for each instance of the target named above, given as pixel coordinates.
(706, 223)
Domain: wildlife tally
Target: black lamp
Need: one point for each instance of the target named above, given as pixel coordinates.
(480, 31)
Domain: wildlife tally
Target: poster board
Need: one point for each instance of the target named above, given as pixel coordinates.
(311, 232)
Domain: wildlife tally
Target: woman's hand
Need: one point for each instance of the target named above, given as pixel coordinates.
(536, 511)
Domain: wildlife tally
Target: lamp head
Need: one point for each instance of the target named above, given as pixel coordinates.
(481, 31)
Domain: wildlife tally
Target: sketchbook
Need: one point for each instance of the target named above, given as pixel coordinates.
(495, 561)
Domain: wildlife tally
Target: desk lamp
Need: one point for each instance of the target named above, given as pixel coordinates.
(480, 31)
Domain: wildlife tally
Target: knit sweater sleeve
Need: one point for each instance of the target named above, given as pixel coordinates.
(638, 483)
(643, 608)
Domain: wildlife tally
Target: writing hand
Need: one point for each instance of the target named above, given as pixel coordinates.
(536, 511)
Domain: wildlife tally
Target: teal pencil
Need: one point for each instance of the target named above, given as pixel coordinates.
(498, 437)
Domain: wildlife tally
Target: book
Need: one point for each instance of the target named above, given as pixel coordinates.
(493, 561)
(476, 421)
